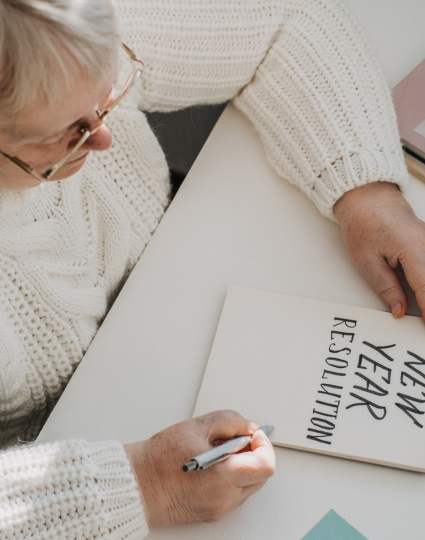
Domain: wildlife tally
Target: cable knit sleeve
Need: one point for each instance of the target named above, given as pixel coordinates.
(301, 70)
(70, 490)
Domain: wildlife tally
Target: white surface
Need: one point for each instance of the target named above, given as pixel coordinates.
(420, 129)
(234, 221)
(280, 359)
(144, 369)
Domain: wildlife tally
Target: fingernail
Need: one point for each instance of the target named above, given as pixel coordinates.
(252, 426)
(396, 308)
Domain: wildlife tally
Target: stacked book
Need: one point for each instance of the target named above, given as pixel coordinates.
(409, 101)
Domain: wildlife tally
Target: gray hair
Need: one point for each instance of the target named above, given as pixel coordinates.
(48, 45)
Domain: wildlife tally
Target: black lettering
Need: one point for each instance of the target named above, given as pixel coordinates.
(411, 377)
(421, 362)
(318, 438)
(343, 334)
(345, 321)
(326, 424)
(324, 391)
(410, 409)
(378, 390)
(334, 405)
(367, 359)
(336, 361)
(324, 414)
(370, 406)
(380, 349)
(332, 373)
(340, 350)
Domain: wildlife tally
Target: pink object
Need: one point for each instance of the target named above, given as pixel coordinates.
(409, 101)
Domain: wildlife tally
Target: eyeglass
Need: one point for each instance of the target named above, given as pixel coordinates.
(53, 168)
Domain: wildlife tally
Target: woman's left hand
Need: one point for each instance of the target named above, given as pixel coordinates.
(381, 231)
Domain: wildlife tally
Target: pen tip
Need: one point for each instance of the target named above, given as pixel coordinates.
(267, 429)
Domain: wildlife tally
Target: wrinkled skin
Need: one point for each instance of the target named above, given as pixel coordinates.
(43, 133)
(381, 231)
(170, 495)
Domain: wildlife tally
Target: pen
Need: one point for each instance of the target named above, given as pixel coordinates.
(205, 460)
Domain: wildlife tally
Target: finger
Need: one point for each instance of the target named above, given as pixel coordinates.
(386, 283)
(225, 425)
(414, 269)
(253, 467)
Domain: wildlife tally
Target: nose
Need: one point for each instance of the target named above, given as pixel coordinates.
(100, 140)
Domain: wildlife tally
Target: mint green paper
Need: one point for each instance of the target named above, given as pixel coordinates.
(333, 527)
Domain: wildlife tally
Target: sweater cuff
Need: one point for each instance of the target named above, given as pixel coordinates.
(355, 170)
(117, 488)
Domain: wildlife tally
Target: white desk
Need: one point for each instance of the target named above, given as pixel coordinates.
(235, 221)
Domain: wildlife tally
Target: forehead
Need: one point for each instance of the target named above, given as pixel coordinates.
(44, 120)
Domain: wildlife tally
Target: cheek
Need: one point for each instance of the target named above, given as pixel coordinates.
(41, 156)
(14, 178)
(69, 169)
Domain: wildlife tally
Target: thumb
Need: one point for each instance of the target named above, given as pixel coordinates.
(250, 468)
(386, 283)
(260, 441)
(414, 270)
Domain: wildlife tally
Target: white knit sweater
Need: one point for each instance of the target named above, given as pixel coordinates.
(304, 74)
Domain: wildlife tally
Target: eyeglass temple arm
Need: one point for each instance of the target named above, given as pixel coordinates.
(23, 166)
(131, 54)
(129, 82)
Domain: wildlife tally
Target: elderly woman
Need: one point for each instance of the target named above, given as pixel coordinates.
(80, 200)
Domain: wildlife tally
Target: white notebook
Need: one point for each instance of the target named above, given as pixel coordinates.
(333, 379)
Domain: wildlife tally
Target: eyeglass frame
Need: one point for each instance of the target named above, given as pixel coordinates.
(50, 170)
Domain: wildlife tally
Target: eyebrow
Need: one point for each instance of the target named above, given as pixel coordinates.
(62, 132)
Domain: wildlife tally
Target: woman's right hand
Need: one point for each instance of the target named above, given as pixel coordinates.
(170, 495)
